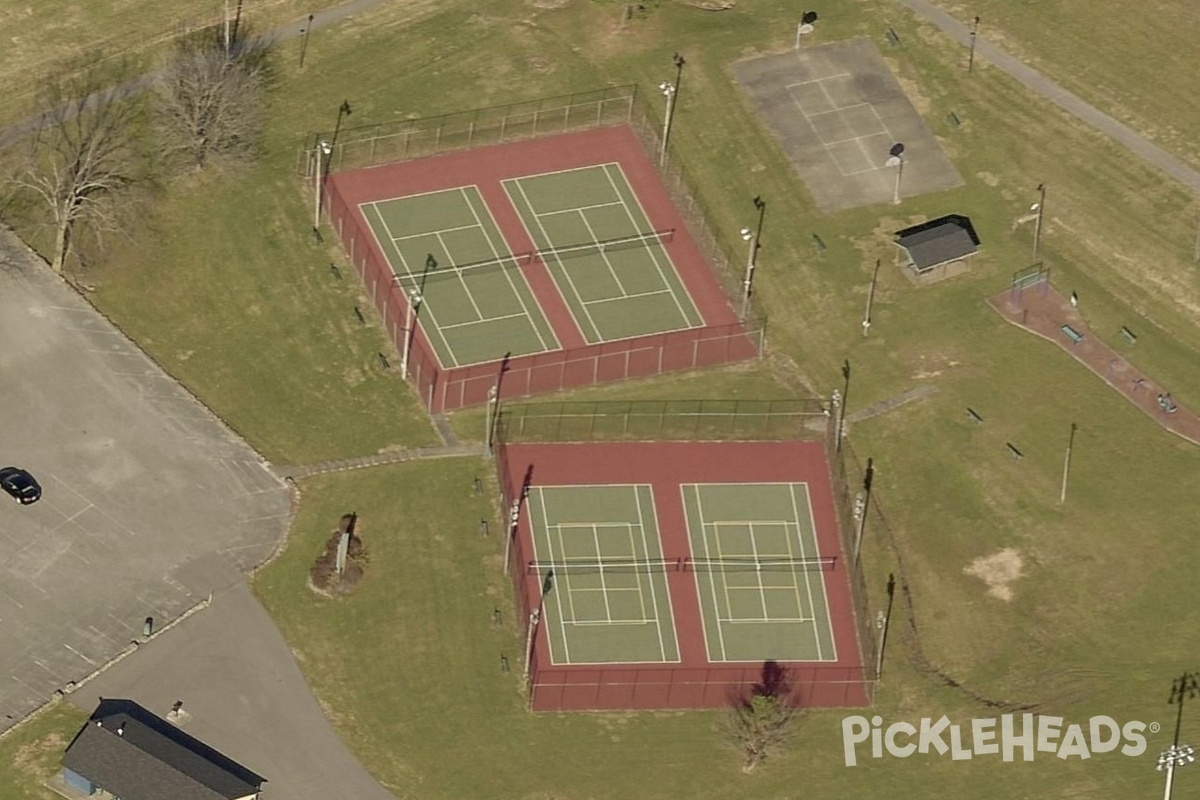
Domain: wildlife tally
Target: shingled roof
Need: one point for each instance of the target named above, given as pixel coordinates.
(135, 755)
(939, 241)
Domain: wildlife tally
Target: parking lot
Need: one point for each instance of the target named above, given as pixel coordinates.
(149, 505)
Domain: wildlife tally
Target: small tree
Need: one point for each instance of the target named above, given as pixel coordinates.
(212, 95)
(762, 722)
(86, 149)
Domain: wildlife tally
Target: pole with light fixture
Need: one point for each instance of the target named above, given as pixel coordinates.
(671, 92)
(974, 35)
(323, 148)
(1040, 208)
(414, 306)
(752, 237)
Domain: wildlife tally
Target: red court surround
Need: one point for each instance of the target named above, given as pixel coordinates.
(694, 682)
(722, 339)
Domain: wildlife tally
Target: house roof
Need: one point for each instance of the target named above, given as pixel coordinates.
(136, 755)
(938, 241)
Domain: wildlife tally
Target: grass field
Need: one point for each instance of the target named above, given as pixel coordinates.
(1075, 42)
(31, 754)
(424, 704)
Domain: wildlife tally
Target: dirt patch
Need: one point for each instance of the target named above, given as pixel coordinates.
(998, 571)
(324, 578)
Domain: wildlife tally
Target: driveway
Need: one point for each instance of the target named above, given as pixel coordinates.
(150, 503)
(243, 694)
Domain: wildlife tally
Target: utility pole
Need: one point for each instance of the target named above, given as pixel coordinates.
(1062, 498)
(971, 57)
(671, 92)
(1040, 208)
(842, 407)
(866, 323)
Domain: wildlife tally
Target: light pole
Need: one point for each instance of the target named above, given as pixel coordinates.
(1040, 208)
(1177, 755)
(971, 57)
(493, 394)
(866, 323)
(323, 148)
(304, 41)
(671, 92)
(327, 149)
(896, 159)
(753, 237)
(1062, 497)
(414, 306)
(868, 480)
(842, 405)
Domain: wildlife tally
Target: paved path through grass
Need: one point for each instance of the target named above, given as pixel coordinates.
(1142, 147)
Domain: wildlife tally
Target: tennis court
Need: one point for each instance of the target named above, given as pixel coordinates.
(449, 256)
(759, 577)
(605, 597)
(624, 286)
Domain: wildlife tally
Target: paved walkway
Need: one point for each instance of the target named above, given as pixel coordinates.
(1142, 147)
(1043, 311)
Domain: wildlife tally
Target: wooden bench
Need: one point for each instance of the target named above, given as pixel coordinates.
(1072, 334)
(1128, 335)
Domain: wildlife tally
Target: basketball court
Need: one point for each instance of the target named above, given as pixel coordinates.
(838, 112)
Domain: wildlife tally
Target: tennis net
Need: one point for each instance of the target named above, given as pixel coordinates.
(434, 271)
(748, 564)
(591, 566)
(687, 564)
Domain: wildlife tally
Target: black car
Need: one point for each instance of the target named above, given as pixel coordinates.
(20, 484)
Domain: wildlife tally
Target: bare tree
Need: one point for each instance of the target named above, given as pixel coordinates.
(86, 149)
(760, 723)
(212, 95)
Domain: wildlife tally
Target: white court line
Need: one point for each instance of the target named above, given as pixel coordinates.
(438, 231)
(617, 202)
(458, 273)
(633, 549)
(483, 320)
(604, 253)
(818, 80)
(857, 139)
(838, 108)
(603, 584)
(753, 521)
(626, 297)
(557, 596)
(507, 272)
(796, 575)
(712, 582)
(807, 582)
(653, 255)
(637, 497)
(762, 590)
(404, 263)
(566, 273)
(821, 573)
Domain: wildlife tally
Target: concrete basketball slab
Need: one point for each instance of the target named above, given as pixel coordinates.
(837, 110)
(149, 502)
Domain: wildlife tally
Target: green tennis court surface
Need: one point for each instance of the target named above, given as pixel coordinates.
(617, 292)
(773, 607)
(470, 314)
(600, 604)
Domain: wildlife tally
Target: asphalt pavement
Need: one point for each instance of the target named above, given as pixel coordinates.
(149, 502)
